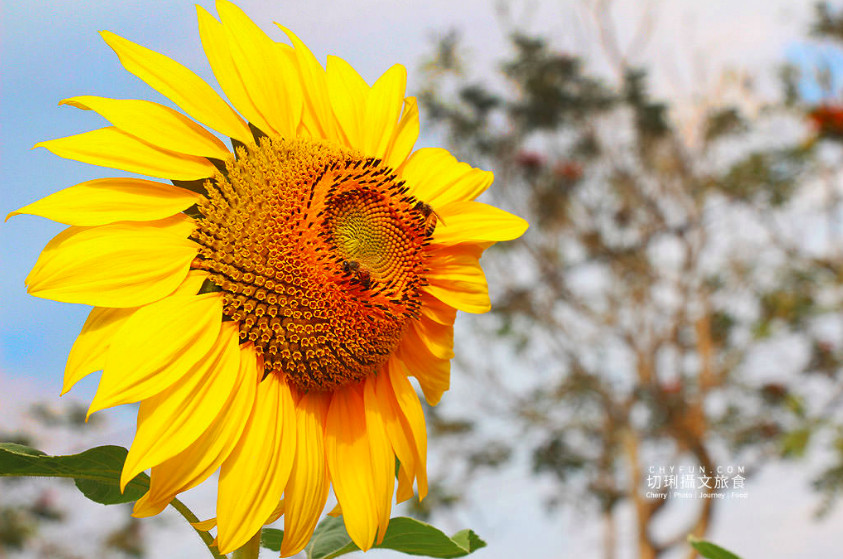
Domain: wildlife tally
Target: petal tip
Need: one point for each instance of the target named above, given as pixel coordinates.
(108, 36)
(73, 102)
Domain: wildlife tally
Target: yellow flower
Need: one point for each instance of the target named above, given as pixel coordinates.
(267, 310)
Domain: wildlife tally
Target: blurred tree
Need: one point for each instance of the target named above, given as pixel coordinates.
(677, 298)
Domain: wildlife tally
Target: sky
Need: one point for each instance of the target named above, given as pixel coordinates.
(51, 50)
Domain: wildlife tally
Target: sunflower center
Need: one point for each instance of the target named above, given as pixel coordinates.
(320, 254)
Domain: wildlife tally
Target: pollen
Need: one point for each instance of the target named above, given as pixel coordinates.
(320, 254)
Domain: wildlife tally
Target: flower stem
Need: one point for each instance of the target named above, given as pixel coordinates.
(250, 549)
(191, 519)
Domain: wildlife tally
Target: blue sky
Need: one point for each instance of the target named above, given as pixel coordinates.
(50, 50)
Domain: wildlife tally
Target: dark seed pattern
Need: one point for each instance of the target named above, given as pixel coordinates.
(320, 254)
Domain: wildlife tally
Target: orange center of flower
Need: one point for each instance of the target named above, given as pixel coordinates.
(320, 254)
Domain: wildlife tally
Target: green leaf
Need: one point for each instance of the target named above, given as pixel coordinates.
(95, 471)
(271, 538)
(406, 535)
(710, 550)
(328, 539)
(469, 540)
(21, 449)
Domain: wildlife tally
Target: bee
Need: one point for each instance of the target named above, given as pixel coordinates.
(428, 212)
(365, 278)
(361, 275)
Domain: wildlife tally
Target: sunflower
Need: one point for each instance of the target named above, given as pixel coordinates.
(268, 307)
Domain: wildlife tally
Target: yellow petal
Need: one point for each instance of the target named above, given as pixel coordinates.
(268, 76)
(412, 417)
(383, 109)
(307, 489)
(205, 525)
(436, 177)
(89, 351)
(111, 147)
(438, 338)
(433, 373)
(215, 44)
(456, 278)
(348, 93)
(157, 346)
(102, 201)
(436, 310)
(153, 123)
(398, 432)
(180, 85)
(473, 221)
(317, 115)
(383, 458)
(121, 265)
(171, 421)
(253, 478)
(276, 513)
(350, 464)
(405, 135)
(193, 465)
(405, 485)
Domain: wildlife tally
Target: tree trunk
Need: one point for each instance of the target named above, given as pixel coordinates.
(643, 511)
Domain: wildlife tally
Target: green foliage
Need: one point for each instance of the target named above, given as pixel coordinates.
(406, 535)
(827, 24)
(723, 122)
(795, 442)
(650, 117)
(95, 471)
(97, 474)
(830, 480)
(554, 90)
(558, 457)
(769, 174)
(710, 550)
(271, 538)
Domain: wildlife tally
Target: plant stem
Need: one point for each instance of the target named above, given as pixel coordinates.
(250, 549)
(191, 518)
